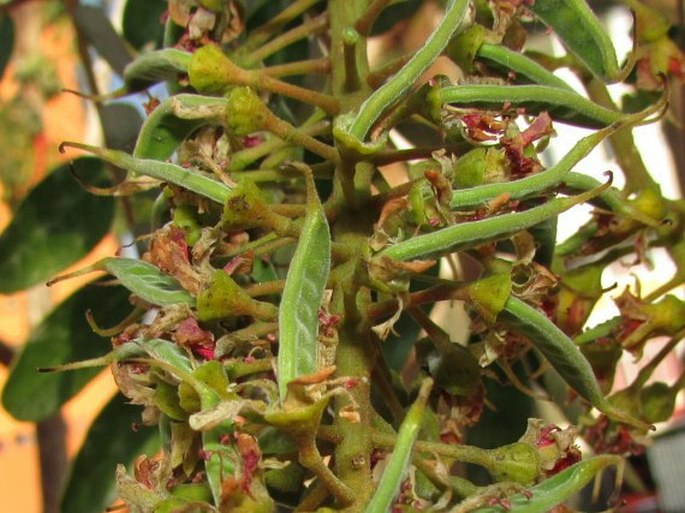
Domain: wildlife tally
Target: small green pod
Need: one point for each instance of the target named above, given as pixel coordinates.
(562, 354)
(557, 489)
(471, 234)
(526, 69)
(582, 33)
(563, 105)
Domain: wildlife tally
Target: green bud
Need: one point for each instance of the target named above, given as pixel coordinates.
(464, 47)
(488, 295)
(245, 207)
(210, 71)
(184, 218)
(518, 462)
(246, 112)
(224, 298)
(470, 168)
(285, 480)
(658, 402)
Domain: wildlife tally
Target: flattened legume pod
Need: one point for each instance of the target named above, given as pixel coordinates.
(561, 352)
(563, 105)
(298, 317)
(582, 33)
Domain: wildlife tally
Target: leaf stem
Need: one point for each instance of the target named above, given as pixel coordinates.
(315, 25)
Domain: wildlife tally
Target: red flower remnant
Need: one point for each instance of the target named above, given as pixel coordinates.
(250, 141)
(190, 334)
(482, 127)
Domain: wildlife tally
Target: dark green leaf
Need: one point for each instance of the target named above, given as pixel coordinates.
(93, 24)
(111, 440)
(121, 123)
(56, 225)
(64, 336)
(6, 41)
(142, 23)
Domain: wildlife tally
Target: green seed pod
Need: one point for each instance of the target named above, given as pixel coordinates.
(245, 207)
(184, 218)
(245, 112)
(658, 401)
(518, 462)
(211, 71)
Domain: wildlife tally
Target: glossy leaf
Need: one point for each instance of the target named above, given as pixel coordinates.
(142, 22)
(64, 336)
(6, 41)
(56, 225)
(298, 318)
(111, 440)
(147, 281)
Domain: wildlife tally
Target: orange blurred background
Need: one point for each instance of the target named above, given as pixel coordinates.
(63, 117)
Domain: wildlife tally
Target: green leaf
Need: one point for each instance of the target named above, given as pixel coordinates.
(121, 124)
(557, 489)
(6, 41)
(147, 281)
(142, 22)
(153, 67)
(63, 336)
(163, 131)
(56, 225)
(111, 440)
(298, 318)
(93, 24)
